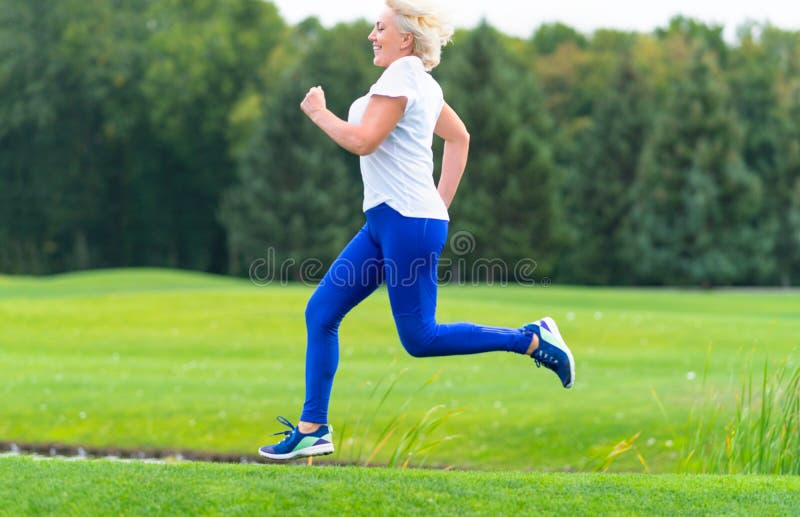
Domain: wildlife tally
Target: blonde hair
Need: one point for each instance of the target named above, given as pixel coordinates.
(429, 26)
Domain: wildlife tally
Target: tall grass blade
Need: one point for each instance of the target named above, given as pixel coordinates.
(410, 443)
(618, 450)
(761, 436)
(379, 446)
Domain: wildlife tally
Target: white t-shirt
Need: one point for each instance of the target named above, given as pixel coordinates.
(400, 171)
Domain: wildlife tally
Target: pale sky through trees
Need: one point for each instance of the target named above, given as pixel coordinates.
(520, 17)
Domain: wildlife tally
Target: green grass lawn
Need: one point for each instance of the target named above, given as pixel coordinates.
(153, 358)
(57, 487)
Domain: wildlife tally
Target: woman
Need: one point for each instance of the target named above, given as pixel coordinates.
(391, 129)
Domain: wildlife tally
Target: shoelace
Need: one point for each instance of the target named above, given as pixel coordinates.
(542, 356)
(285, 421)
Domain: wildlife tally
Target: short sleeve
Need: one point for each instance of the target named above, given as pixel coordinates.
(397, 81)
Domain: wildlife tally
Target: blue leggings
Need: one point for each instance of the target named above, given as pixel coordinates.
(403, 253)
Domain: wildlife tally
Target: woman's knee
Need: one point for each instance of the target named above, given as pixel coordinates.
(416, 336)
(321, 314)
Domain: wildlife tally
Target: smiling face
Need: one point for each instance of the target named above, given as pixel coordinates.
(388, 43)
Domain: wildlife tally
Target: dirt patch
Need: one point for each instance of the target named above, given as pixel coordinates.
(77, 451)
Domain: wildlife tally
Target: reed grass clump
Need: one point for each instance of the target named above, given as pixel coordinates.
(760, 436)
(406, 440)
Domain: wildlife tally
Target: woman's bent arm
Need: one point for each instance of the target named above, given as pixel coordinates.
(380, 118)
(456, 149)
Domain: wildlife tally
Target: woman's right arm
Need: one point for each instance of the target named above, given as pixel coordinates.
(380, 117)
(456, 148)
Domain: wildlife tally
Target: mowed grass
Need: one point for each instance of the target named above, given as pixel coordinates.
(154, 358)
(57, 487)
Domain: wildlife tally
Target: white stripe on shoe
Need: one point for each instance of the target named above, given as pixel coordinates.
(561, 345)
(314, 450)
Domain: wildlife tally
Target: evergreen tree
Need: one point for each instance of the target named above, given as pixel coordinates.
(508, 196)
(549, 36)
(575, 77)
(784, 192)
(706, 36)
(114, 125)
(754, 75)
(203, 57)
(599, 193)
(696, 203)
(764, 74)
(65, 112)
(298, 193)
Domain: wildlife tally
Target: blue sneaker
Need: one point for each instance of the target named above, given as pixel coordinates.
(297, 444)
(553, 352)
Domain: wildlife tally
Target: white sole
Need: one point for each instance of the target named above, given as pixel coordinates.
(554, 330)
(314, 450)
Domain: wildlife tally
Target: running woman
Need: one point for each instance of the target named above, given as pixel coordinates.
(391, 128)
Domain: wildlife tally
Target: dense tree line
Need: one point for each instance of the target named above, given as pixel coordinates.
(168, 133)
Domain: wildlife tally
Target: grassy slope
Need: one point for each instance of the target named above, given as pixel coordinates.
(106, 488)
(169, 359)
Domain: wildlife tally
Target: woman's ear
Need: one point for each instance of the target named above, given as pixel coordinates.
(407, 41)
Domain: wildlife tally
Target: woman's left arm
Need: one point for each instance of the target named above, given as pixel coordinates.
(380, 118)
(456, 149)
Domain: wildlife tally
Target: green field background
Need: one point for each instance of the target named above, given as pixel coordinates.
(156, 358)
